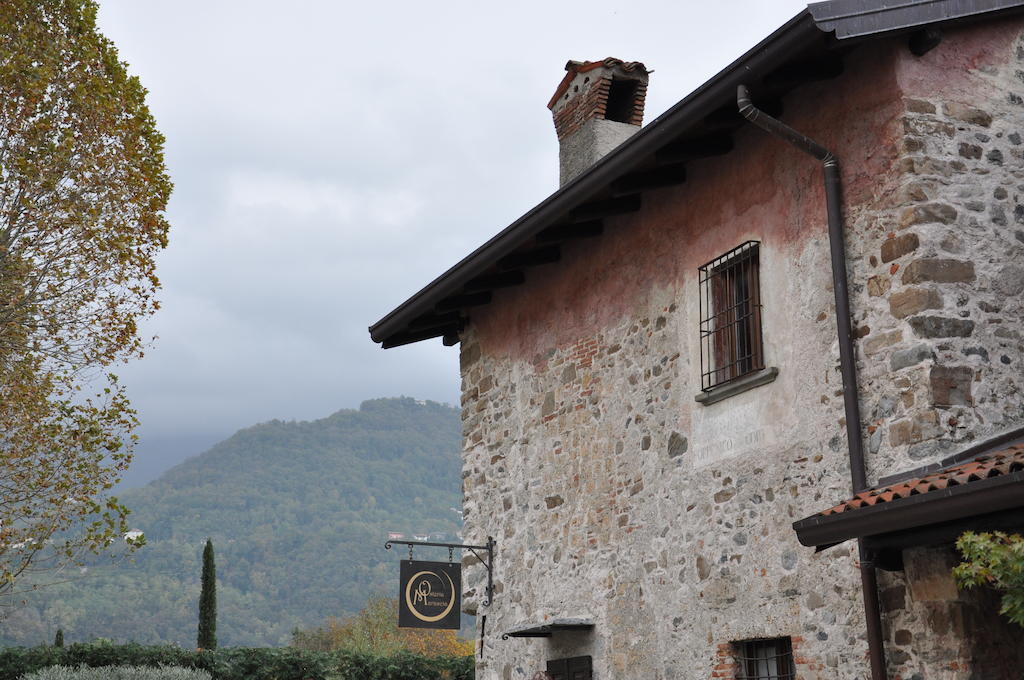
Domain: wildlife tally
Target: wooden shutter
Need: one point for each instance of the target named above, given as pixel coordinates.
(558, 669)
(581, 668)
(576, 668)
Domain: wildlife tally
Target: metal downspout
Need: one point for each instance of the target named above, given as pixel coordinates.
(847, 363)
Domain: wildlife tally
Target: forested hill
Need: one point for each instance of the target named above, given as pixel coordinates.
(298, 513)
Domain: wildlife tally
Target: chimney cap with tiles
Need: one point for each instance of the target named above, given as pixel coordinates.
(597, 106)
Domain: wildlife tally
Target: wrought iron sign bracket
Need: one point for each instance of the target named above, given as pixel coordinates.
(489, 563)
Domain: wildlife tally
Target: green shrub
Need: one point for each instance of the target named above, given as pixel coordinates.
(995, 560)
(117, 673)
(237, 663)
(402, 666)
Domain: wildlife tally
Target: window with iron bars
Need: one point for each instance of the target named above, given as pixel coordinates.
(730, 316)
(765, 659)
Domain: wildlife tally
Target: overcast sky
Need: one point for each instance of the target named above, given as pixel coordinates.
(330, 158)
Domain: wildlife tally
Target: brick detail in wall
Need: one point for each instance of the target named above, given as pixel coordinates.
(584, 351)
(726, 667)
(592, 103)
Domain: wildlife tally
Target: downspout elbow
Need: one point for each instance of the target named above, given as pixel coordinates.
(746, 104)
(779, 129)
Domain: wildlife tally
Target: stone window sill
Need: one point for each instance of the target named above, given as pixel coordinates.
(747, 382)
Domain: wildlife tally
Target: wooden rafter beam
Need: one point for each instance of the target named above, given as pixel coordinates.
(606, 208)
(409, 337)
(655, 178)
(565, 232)
(454, 302)
(531, 258)
(494, 281)
(694, 149)
(436, 321)
(798, 73)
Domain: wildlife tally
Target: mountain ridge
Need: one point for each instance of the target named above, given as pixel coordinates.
(298, 512)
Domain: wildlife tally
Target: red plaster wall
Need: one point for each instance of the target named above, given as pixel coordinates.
(763, 190)
(952, 70)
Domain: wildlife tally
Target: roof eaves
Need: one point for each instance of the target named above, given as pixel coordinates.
(979, 497)
(846, 18)
(687, 112)
(858, 18)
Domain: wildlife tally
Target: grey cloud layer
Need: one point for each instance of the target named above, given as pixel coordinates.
(331, 158)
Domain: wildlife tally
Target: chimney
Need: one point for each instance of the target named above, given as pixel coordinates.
(597, 106)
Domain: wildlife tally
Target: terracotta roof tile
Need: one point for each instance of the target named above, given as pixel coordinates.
(1003, 462)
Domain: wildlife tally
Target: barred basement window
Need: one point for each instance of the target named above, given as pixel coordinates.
(576, 668)
(766, 659)
(730, 316)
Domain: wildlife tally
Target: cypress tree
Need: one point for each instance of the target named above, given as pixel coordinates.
(58, 639)
(207, 638)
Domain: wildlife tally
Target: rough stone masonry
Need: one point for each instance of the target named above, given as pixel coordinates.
(615, 496)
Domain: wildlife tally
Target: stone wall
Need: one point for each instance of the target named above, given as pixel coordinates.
(942, 258)
(936, 632)
(614, 496)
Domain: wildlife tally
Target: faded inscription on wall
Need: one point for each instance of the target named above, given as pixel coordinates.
(730, 431)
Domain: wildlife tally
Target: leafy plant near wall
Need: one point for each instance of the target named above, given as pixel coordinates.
(996, 560)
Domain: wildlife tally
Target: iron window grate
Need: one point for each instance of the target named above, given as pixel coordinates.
(730, 316)
(765, 659)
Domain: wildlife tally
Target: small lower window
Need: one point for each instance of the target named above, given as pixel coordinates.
(766, 659)
(576, 668)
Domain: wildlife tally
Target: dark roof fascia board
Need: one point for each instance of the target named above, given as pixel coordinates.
(1015, 436)
(859, 18)
(716, 92)
(982, 496)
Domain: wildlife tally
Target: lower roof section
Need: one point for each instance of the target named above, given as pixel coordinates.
(989, 483)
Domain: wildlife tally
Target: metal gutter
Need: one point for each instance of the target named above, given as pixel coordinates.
(979, 497)
(717, 92)
(847, 360)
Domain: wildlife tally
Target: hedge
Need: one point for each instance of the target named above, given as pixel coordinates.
(117, 673)
(239, 663)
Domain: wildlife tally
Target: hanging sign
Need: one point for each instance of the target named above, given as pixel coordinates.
(430, 595)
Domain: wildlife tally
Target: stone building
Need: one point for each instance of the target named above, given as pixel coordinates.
(673, 376)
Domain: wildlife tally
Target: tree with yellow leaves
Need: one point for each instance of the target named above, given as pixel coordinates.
(83, 188)
(374, 630)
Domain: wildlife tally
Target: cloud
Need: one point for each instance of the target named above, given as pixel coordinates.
(332, 158)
